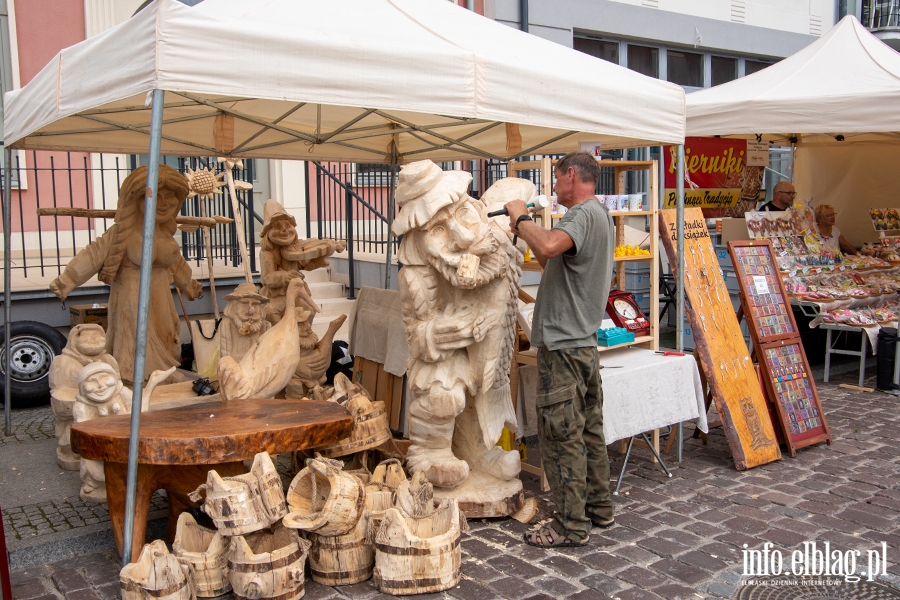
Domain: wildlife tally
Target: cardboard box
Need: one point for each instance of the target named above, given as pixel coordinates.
(734, 229)
(88, 313)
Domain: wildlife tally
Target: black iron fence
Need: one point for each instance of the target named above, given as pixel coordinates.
(42, 246)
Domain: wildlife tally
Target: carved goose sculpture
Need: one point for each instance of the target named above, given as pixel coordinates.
(270, 362)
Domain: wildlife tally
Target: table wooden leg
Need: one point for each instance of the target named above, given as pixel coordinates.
(116, 480)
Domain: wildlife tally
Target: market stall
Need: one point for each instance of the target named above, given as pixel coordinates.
(390, 82)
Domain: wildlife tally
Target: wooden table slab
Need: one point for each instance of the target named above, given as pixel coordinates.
(178, 446)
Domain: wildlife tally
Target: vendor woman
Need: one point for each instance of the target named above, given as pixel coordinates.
(833, 239)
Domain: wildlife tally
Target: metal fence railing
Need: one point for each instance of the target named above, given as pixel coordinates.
(42, 246)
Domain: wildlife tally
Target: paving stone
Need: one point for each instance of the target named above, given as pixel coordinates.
(588, 594)
(721, 590)
(467, 589)
(29, 588)
(365, 589)
(111, 591)
(680, 571)
(516, 567)
(637, 555)
(69, 580)
(479, 549)
(99, 574)
(317, 591)
(513, 588)
(670, 518)
(748, 526)
(602, 583)
(498, 537)
(554, 585)
(480, 571)
(673, 591)
(635, 522)
(623, 534)
(662, 547)
(702, 560)
(565, 566)
(86, 594)
(642, 577)
(636, 593)
(541, 597)
(867, 519)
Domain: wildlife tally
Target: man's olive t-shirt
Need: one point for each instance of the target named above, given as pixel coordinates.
(571, 301)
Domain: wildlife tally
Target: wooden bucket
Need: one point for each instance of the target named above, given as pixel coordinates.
(342, 559)
(370, 427)
(244, 503)
(325, 500)
(157, 575)
(383, 484)
(268, 565)
(207, 552)
(418, 555)
(415, 497)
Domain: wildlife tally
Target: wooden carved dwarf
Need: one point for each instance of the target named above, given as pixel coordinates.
(458, 287)
(101, 393)
(115, 257)
(244, 322)
(283, 255)
(87, 344)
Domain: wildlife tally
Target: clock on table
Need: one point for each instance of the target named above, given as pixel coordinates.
(625, 312)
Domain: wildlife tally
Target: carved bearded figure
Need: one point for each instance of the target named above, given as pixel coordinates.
(458, 287)
(245, 320)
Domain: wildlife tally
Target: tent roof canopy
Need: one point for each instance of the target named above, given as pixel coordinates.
(846, 83)
(353, 80)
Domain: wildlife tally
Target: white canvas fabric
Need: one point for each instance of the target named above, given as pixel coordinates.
(358, 65)
(847, 82)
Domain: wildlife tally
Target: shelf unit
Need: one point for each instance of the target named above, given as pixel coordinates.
(621, 167)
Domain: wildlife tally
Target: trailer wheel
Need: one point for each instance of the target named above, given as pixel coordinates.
(32, 346)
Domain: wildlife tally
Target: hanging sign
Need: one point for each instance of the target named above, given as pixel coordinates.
(716, 174)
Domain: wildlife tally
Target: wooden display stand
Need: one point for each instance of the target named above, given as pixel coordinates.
(776, 339)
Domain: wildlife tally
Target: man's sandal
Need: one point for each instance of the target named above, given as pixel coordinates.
(546, 537)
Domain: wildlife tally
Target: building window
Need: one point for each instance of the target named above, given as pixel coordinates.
(684, 68)
(644, 60)
(602, 49)
(723, 69)
(754, 66)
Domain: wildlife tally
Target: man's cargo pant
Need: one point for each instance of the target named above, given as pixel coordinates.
(573, 450)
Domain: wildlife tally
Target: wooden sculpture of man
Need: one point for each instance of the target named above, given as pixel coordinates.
(115, 257)
(101, 393)
(283, 255)
(458, 287)
(87, 344)
(244, 322)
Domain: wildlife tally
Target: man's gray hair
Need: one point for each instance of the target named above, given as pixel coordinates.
(585, 166)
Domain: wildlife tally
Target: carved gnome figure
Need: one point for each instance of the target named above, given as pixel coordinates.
(87, 344)
(458, 289)
(101, 393)
(245, 321)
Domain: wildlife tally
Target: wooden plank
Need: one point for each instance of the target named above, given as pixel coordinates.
(397, 402)
(365, 373)
(720, 344)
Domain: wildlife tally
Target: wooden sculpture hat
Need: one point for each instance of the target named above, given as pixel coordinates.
(274, 211)
(422, 190)
(246, 290)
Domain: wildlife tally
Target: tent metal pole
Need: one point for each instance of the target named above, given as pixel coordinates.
(390, 217)
(7, 312)
(679, 302)
(140, 345)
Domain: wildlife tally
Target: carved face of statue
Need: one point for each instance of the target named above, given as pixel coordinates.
(91, 342)
(459, 229)
(167, 205)
(282, 233)
(100, 387)
(249, 315)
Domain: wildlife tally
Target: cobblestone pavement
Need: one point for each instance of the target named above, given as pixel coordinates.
(675, 538)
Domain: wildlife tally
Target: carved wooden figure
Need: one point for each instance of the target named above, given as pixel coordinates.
(244, 322)
(269, 364)
(315, 358)
(87, 344)
(115, 257)
(283, 255)
(459, 289)
(101, 393)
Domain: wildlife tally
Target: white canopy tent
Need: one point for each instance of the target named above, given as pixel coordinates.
(350, 80)
(336, 80)
(836, 101)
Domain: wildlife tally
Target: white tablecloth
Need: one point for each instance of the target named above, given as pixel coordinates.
(644, 391)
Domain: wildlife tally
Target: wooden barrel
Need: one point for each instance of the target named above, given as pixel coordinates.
(245, 503)
(157, 575)
(268, 565)
(207, 552)
(418, 555)
(323, 499)
(370, 428)
(342, 559)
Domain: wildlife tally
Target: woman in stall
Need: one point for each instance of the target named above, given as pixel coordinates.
(825, 216)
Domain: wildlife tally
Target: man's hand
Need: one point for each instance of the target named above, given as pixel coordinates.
(515, 208)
